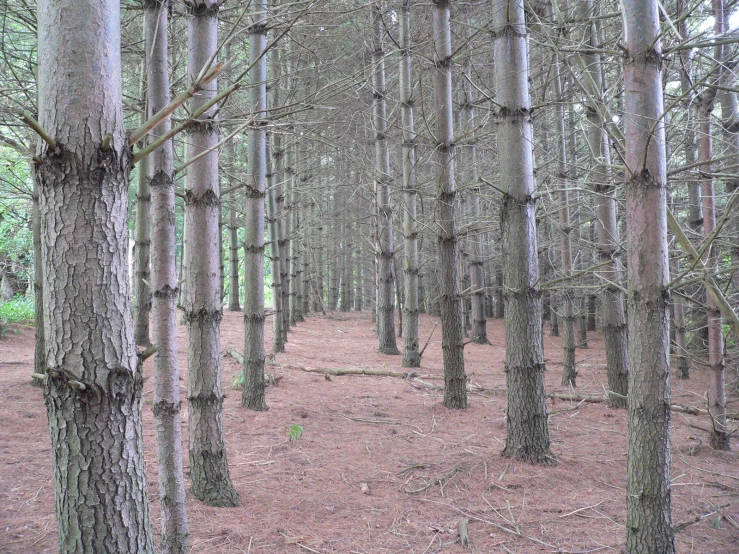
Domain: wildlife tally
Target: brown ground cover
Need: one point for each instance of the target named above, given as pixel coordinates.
(382, 467)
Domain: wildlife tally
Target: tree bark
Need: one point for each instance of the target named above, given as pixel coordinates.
(253, 393)
(607, 239)
(411, 357)
(528, 429)
(209, 473)
(93, 387)
(385, 253)
(452, 325)
(648, 519)
(174, 534)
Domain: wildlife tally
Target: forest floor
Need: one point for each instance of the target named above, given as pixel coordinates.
(381, 466)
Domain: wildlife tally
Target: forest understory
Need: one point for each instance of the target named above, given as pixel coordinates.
(376, 464)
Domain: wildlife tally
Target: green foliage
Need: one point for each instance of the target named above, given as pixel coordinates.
(296, 431)
(20, 309)
(237, 381)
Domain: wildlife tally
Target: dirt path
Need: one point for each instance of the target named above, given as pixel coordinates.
(382, 466)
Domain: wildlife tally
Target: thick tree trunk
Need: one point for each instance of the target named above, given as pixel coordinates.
(648, 519)
(528, 429)
(93, 387)
(385, 253)
(209, 473)
(411, 357)
(452, 325)
(174, 535)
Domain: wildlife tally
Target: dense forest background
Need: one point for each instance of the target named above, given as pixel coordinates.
(569, 168)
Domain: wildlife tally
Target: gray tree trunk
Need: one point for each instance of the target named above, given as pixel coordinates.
(385, 252)
(93, 387)
(607, 239)
(478, 327)
(528, 430)
(174, 534)
(234, 304)
(209, 473)
(648, 519)
(452, 324)
(253, 393)
(142, 237)
(411, 357)
(569, 372)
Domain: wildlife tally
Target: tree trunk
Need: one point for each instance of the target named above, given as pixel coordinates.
(648, 519)
(233, 229)
(39, 355)
(478, 328)
(209, 473)
(411, 357)
(452, 325)
(607, 239)
(94, 380)
(569, 372)
(174, 535)
(142, 248)
(528, 429)
(386, 293)
(253, 393)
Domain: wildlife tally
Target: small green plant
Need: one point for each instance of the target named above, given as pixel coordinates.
(296, 431)
(237, 381)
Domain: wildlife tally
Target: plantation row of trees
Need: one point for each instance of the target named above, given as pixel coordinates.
(565, 161)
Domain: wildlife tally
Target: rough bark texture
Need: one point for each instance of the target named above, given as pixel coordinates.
(452, 325)
(385, 253)
(607, 239)
(253, 393)
(174, 534)
(211, 482)
(411, 356)
(528, 429)
(93, 386)
(648, 520)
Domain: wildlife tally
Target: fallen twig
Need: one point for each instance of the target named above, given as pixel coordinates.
(439, 481)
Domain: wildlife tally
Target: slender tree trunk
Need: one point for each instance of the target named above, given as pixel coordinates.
(607, 237)
(142, 248)
(209, 473)
(452, 325)
(94, 379)
(233, 228)
(528, 430)
(411, 357)
(478, 330)
(174, 535)
(39, 356)
(569, 372)
(385, 253)
(253, 393)
(648, 519)
(274, 208)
